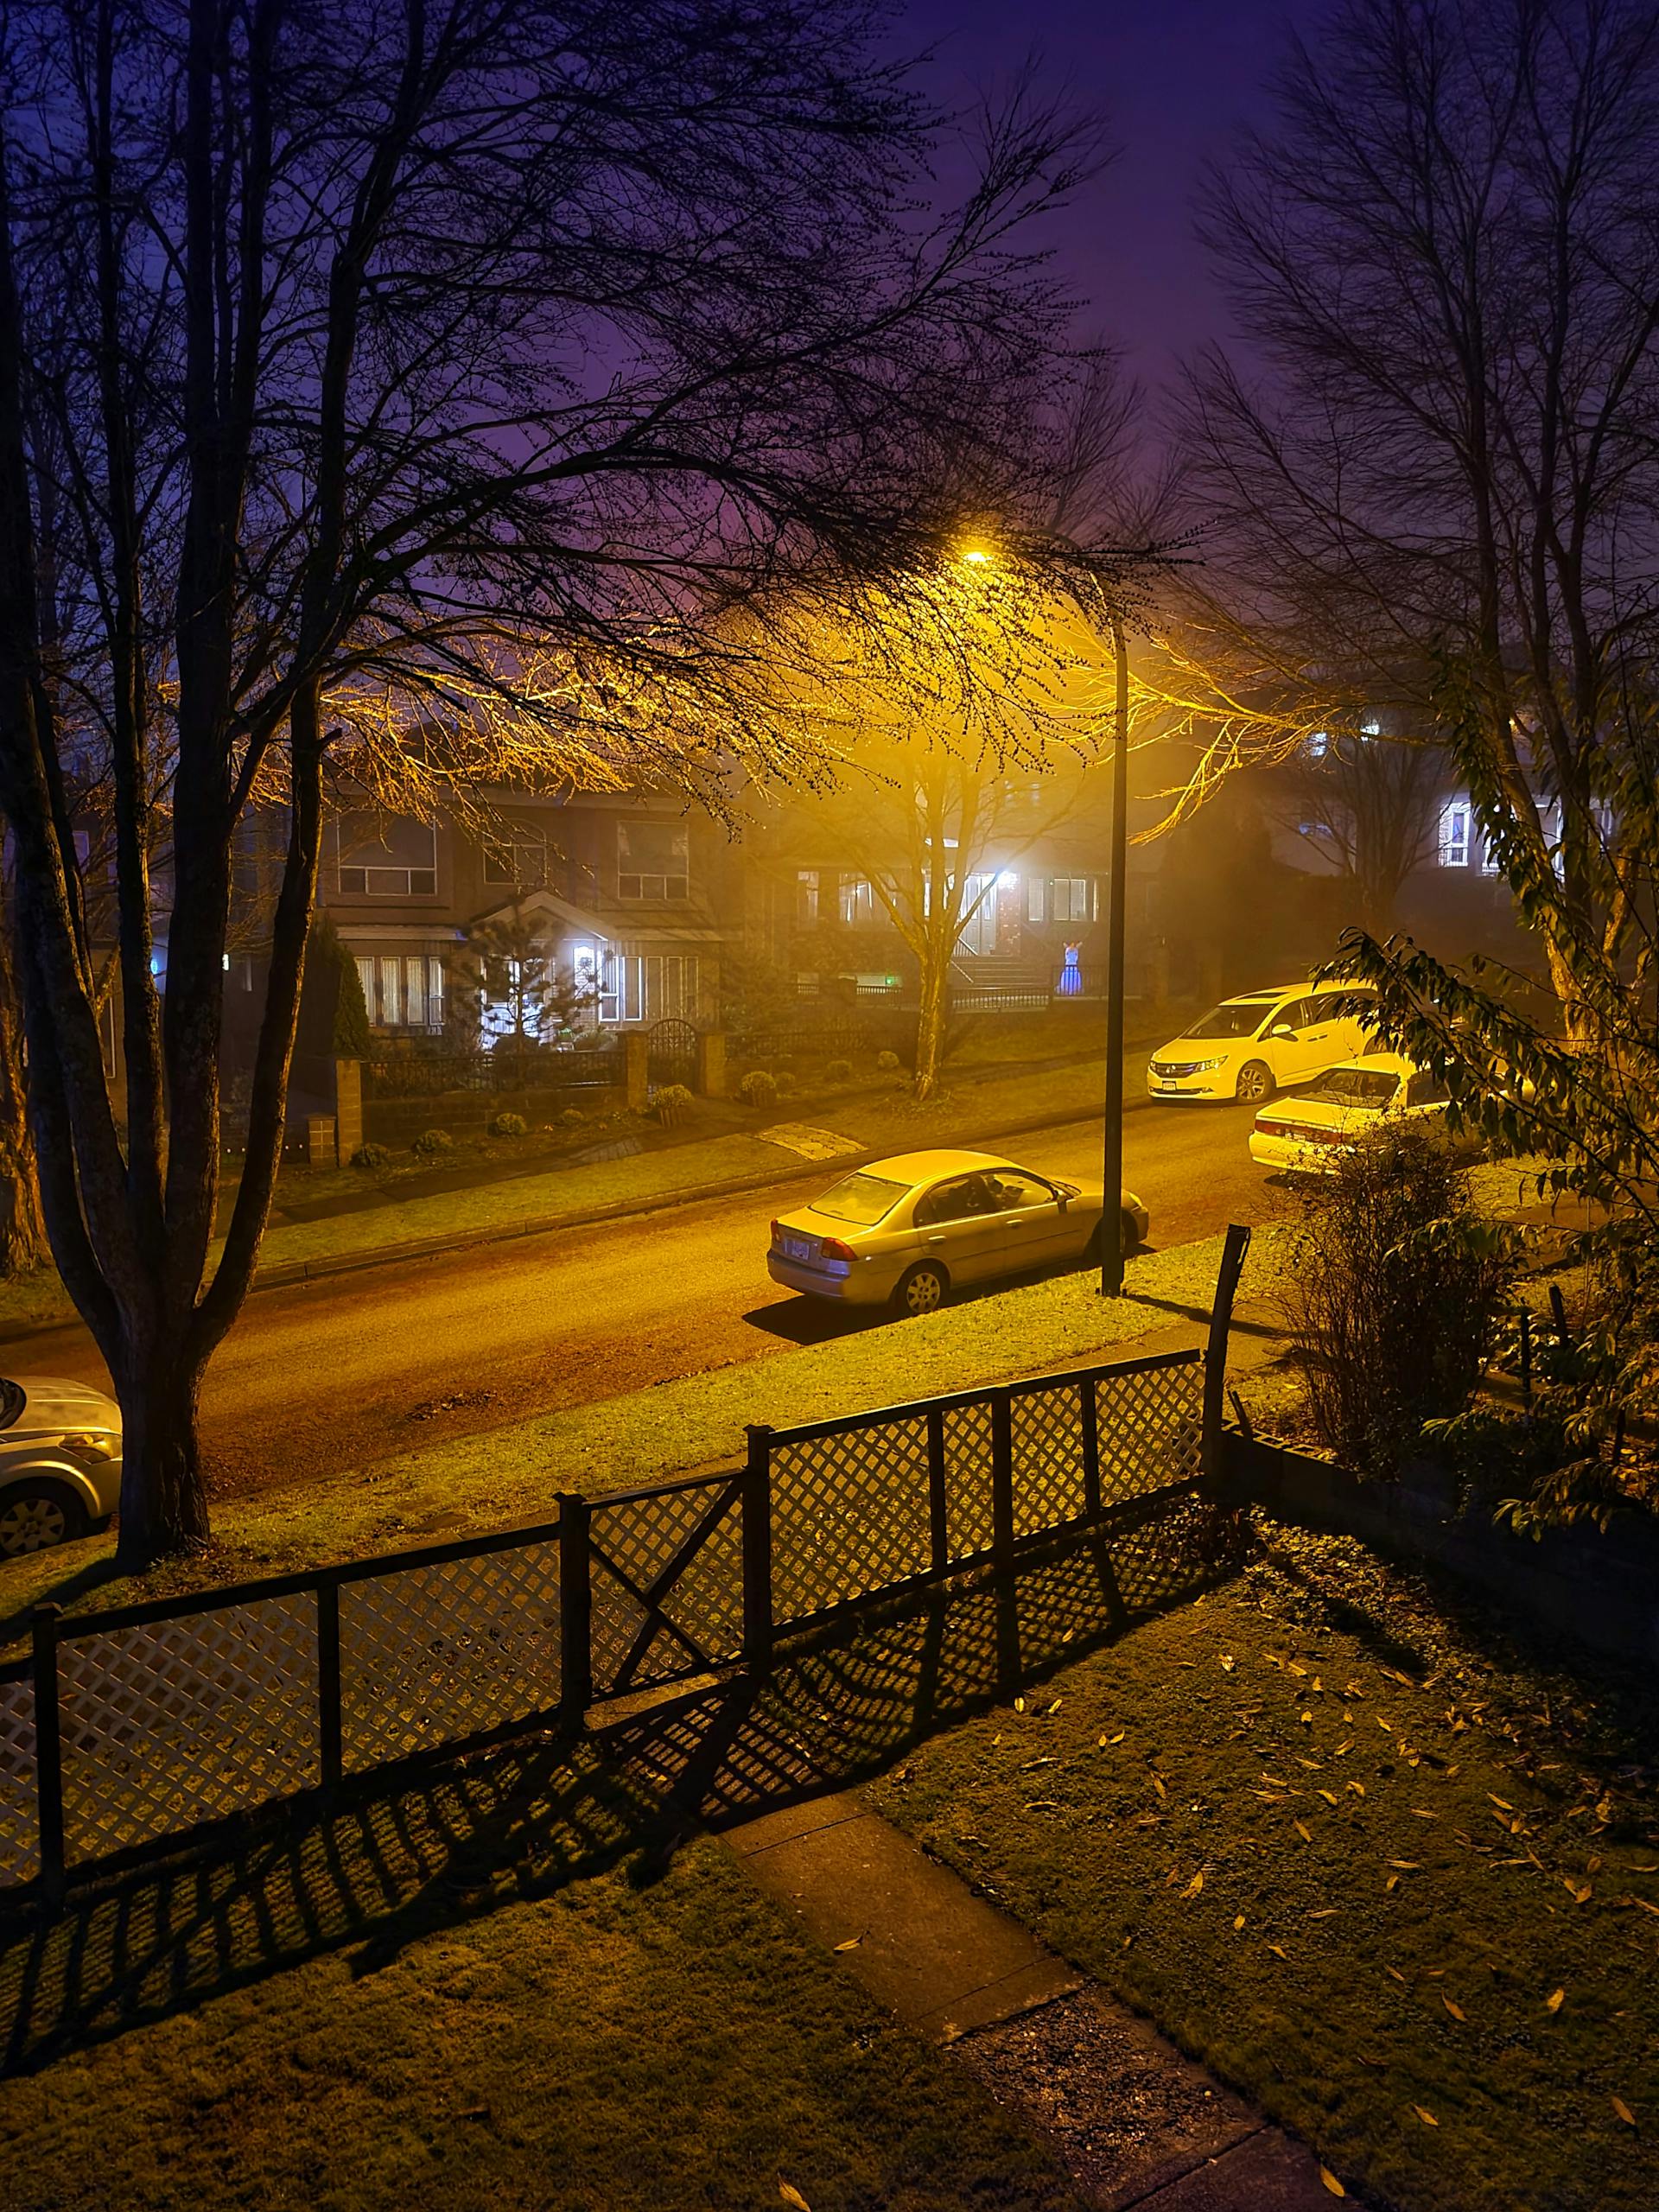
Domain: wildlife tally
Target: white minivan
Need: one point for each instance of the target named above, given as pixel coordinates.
(1263, 1041)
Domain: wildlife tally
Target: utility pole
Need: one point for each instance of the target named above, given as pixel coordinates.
(1111, 1219)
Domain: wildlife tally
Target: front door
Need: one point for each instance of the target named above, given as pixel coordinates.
(1035, 1233)
(958, 1223)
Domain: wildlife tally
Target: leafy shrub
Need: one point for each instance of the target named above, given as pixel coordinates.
(838, 1070)
(757, 1088)
(371, 1155)
(573, 1117)
(433, 1140)
(786, 1082)
(887, 1062)
(670, 1102)
(509, 1125)
(1393, 1296)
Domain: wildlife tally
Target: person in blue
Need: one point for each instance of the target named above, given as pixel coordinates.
(1071, 984)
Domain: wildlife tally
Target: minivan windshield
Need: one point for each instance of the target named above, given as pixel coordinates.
(1357, 1087)
(860, 1198)
(1231, 1020)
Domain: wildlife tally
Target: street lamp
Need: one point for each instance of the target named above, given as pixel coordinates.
(1111, 1218)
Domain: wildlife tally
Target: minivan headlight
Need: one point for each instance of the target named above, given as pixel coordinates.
(96, 1444)
(1204, 1067)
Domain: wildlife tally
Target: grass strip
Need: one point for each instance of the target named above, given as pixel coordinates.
(1392, 1877)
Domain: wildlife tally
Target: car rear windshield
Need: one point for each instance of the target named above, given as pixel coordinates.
(860, 1198)
(1230, 1021)
(1357, 1087)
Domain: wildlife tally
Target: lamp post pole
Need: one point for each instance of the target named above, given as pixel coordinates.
(1111, 1219)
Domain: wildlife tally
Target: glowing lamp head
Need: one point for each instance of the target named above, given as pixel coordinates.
(977, 555)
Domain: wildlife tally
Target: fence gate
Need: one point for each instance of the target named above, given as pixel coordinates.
(672, 1050)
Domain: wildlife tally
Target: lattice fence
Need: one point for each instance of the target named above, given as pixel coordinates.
(134, 1727)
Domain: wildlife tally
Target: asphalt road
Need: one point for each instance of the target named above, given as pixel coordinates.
(336, 1374)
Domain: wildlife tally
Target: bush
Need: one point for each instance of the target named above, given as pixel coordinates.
(509, 1125)
(573, 1117)
(757, 1088)
(371, 1155)
(838, 1071)
(1394, 1293)
(889, 1062)
(670, 1103)
(433, 1140)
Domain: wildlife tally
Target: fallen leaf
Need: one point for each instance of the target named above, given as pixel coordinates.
(1624, 2110)
(791, 2195)
(1324, 1912)
(1019, 1705)
(1643, 1904)
(1114, 1739)
(1398, 1976)
(1294, 1669)
(1408, 1865)
(1057, 1705)
(1343, 1750)
(1239, 1921)
(1553, 2002)
(1421, 1813)
(1277, 1950)
(1352, 1689)
(1456, 2011)
(1359, 1788)
(1331, 1796)
(1307, 1719)
(851, 1944)
(1503, 1802)
(1193, 1886)
(1227, 1663)
(1304, 1833)
(1318, 1685)
(1393, 1882)
(1381, 1723)
(1332, 2183)
(1158, 1784)
(1580, 1892)
(1426, 2116)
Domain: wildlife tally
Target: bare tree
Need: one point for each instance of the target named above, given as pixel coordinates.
(1446, 254)
(454, 363)
(1370, 804)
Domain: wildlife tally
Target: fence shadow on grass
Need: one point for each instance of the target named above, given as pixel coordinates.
(431, 1850)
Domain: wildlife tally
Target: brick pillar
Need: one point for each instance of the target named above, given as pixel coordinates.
(636, 1064)
(348, 1109)
(711, 1064)
(320, 1151)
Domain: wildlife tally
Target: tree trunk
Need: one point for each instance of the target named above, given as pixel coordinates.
(930, 1025)
(22, 1225)
(163, 1497)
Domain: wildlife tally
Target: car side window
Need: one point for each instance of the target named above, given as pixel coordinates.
(1426, 1090)
(1013, 1192)
(1293, 1015)
(963, 1198)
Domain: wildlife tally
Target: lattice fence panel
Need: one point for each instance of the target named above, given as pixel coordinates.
(173, 1722)
(1151, 1424)
(1045, 1432)
(432, 1654)
(643, 1536)
(849, 1513)
(19, 1829)
(967, 1478)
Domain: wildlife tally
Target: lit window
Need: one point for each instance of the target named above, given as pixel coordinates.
(1317, 744)
(651, 860)
(1314, 829)
(1454, 833)
(806, 898)
(1034, 889)
(857, 898)
(381, 859)
(1370, 726)
(402, 994)
(1070, 894)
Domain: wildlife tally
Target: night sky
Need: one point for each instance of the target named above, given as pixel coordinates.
(1175, 79)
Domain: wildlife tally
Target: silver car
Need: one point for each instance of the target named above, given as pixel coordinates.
(905, 1231)
(59, 1461)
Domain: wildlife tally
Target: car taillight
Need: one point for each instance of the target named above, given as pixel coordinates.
(833, 1248)
(777, 1232)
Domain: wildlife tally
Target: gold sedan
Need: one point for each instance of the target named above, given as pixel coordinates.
(905, 1232)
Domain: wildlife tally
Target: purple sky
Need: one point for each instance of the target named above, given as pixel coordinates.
(1175, 79)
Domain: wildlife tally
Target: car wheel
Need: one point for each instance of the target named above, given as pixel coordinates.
(1255, 1084)
(921, 1290)
(35, 1516)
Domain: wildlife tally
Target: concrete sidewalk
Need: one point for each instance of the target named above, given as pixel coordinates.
(1134, 2123)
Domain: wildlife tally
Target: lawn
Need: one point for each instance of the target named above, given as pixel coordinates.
(1395, 1879)
(604, 2048)
(506, 1476)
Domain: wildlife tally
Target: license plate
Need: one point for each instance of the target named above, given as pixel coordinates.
(797, 1248)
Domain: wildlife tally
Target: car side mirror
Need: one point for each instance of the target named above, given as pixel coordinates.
(1283, 1029)
(1061, 1200)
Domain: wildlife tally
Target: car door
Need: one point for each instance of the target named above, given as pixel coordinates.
(1036, 1231)
(1321, 1034)
(1284, 1043)
(958, 1223)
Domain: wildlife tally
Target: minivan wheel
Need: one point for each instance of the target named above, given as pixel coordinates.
(1255, 1086)
(35, 1516)
(921, 1290)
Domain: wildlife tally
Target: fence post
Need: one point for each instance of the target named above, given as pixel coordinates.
(330, 1736)
(1002, 1479)
(576, 1612)
(1215, 1357)
(939, 1532)
(1088, 1413)
(48, 1749)
(757, 1550)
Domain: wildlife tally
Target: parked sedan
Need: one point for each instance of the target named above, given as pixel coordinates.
(1248, 1047)
(59, 1462)
(906, 1231)
(1312, 1134)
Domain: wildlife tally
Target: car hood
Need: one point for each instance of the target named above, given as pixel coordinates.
(1317, 1114)
(1202, 1048)
(56, 1401)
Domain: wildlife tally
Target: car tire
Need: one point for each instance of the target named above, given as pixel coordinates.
(1255, 1084)
(1130, 1232)
(35, 1517)
(921, 1289)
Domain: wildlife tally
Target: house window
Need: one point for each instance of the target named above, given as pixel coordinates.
(1069, 897)
(388, 860)
(857, 896)
(1454, 833)
(1034, 903)
(1314, 829)
(517, 856)
(979, 905)
(649, 987)
(1317, 744)
(806, 898)
(650, 860)
(1370, 726)
(404, 992)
